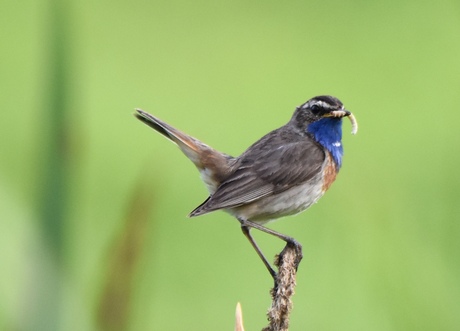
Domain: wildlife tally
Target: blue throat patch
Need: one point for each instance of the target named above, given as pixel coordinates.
(328, 132)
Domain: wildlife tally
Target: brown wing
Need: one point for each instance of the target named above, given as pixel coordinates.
(280, 160)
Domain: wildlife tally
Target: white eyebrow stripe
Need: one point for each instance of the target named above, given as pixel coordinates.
(323, 104)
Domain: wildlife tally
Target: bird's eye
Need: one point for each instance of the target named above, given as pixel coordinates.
(315, 109)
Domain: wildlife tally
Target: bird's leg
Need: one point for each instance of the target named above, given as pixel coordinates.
(291, 242)
(246, 232)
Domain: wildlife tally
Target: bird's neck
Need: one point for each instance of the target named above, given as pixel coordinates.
(328, 132)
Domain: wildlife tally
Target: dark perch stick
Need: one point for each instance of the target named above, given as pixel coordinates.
(287, 262)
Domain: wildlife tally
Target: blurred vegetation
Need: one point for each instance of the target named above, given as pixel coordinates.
(93, 204)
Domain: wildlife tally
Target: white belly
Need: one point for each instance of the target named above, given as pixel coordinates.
(289, 202)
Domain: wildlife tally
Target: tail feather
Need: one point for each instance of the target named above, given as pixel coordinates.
(213, 165)
(178, 137)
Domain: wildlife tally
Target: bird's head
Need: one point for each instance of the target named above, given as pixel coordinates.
(321, 118)
(322, 107)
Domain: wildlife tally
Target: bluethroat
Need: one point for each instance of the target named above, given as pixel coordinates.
(281, 174)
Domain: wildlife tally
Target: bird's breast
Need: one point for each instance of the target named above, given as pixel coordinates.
(329, 172)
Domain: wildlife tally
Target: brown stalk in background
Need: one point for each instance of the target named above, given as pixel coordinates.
(114, 308)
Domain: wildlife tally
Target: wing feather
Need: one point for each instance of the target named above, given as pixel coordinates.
(280, 160)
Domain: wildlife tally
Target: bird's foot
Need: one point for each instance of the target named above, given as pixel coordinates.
(291, 244)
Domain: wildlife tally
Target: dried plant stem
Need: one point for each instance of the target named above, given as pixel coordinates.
(285, 281)
(239, 318)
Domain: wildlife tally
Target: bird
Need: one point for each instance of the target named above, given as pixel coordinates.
(281, 174)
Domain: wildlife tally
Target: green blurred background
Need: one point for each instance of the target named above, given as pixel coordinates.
(93, 204)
